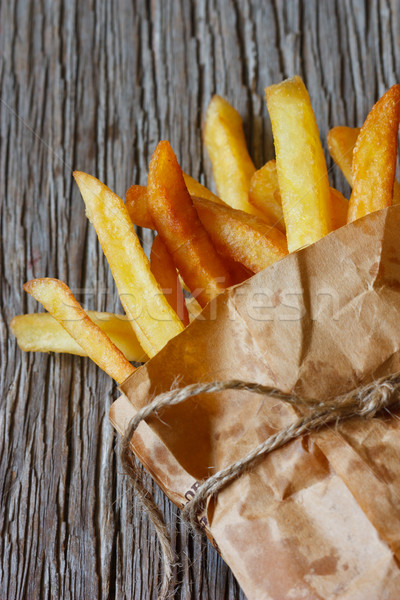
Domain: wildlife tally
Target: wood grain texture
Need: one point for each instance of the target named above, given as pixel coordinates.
(94, 85)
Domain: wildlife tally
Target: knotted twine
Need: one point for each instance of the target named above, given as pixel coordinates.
(365, 401)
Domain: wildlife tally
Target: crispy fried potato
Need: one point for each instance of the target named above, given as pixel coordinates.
(163, 269)
(137, 204)
(238, 271)
(59, 301)
(180, 228)
(265, 195)
(300, 161)
(227, 149)
(151, 317)
(258, 244)
(339, 209)
(374, 157)
(341, 143)
(196, 189)
(40, 332)
(242, 237)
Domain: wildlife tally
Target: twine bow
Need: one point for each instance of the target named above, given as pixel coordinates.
(364, 401)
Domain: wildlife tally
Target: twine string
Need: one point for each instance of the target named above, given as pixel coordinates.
(365, 401)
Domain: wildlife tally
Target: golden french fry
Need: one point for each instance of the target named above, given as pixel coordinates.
(341, 143)
(257, 245)
(300, 161)
(40, 332)
(151, 317)
(180, 229)
(59, 301)
(230, 159)
(265, 195)
(374, 157)
(137, 204)
(244, 238)
(196, 189)
(339, 209)
(164, 270)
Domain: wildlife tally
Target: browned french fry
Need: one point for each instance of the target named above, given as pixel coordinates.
(374, 157)
(341, 143)
(242, 237)
(339, 209)
(180, 229)
(151, 317)
(40, 332)
(163, 269)
(59, 301)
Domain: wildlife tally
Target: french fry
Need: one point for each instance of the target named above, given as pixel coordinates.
(242, 237)
(40, 332)
(374, 157)
(238, 271)
(163, 269)
(137, 204)
(341, 143)
(180, 229)
(257, 246)
(136, 198)
(59, 301)
(151, 317)
(265, 195)
(230, 159)
(196, 189)
(339, 209)
(300, 161)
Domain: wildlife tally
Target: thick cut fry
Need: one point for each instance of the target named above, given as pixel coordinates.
(180, 229)
(341, 143)
(227, 149)
(339, 209)
(258, 244)
(374, 157)
(151, 317)
(137, 204)
(265, 195)
(196, 189)
(40, 332)
(59, 301)
(300, 161)
(242, 237)
(163, 269)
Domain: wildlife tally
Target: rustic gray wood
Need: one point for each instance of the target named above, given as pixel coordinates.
(93, 85)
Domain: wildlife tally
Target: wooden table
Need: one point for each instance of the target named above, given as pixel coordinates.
(94, 85)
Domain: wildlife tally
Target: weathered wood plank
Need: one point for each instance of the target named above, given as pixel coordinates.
(94, 85)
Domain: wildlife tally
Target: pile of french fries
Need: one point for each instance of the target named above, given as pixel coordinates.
(206, 243)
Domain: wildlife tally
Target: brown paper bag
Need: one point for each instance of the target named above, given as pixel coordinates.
(320, 517)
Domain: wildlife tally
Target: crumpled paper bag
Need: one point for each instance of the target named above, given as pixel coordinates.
(320, 517)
